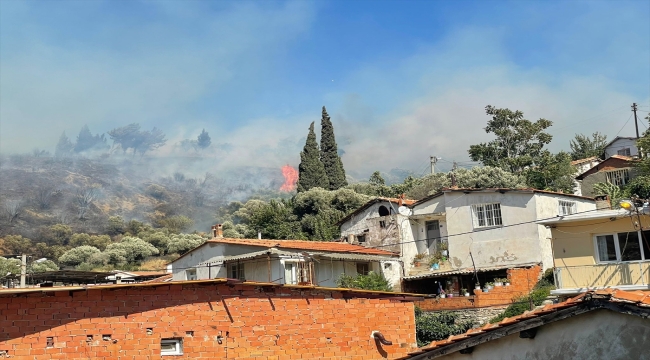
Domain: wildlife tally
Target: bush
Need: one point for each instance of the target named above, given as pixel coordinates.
(183, 243)
(115, 225)
(372, 281)
(522, 304)
(130, 249)
(78, 255)
(437, 326)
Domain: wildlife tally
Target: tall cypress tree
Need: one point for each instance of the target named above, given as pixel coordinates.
(329, 154)
(311, 172)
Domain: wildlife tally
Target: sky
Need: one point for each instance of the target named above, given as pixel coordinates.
(402, 80)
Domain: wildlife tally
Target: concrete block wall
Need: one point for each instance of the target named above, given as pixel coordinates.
(214, 321)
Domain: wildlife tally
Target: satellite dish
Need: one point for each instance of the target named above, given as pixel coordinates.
(403, 210)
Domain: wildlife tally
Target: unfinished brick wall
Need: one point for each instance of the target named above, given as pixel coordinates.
(214, 321)
(522, 281)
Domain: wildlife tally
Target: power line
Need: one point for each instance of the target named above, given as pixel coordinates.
(628, 120)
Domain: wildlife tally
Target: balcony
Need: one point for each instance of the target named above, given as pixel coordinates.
(576, 279)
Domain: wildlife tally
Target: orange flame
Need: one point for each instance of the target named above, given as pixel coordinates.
(290, 178)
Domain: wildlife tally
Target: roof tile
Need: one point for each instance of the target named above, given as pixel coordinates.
(330, 246)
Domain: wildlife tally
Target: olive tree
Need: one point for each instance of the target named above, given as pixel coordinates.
(183, 243)
(78, 255)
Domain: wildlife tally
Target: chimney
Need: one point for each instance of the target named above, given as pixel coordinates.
(217, 231)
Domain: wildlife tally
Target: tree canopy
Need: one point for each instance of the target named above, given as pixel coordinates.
(519, 142)
(86, 140)
(583, 146)
(130, 137)
(203, 141)
(329, 154)
(311, 172)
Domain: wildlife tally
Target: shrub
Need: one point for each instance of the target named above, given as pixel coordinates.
(437, 326)
(183, 243)
(130, 249)
(522, 304)
(372, 281)
(78, 255)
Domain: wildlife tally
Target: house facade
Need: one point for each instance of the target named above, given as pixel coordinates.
(292, 262)
(603, 249)
(617, 170)
(581, 166)
(623, 146)
(457, 237)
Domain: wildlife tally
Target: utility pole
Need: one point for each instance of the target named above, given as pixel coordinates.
(636, 124)
(434, 160)
(23, 270)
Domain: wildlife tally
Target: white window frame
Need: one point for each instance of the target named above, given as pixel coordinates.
(624, 152)
(644, 256)
(566, 207)
(495, 208)
(296, 277)
(239, 269)
(178, 347)
(190, 274)
(618, 177)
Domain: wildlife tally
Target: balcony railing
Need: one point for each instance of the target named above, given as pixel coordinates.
(603, 275)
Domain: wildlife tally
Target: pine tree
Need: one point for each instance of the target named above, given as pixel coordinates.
(203, 140)
(64, 146)
(86, 140)
(311, 172)
(329, 154)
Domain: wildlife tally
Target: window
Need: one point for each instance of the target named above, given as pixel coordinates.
(361, 238)
(624, 152)
(363, 268)
(236, 271)
(190, 274)
(171, 347)
(618, 177)
(567, 207)
(297, 272)
(626, 246)
(487, 215)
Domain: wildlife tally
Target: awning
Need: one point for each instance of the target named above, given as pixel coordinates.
(359, 257)
(464, 271)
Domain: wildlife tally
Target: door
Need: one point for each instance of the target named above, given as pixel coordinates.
(289, 273)
(433, 233)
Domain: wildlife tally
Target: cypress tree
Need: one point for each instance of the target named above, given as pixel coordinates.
(329, 154)
(311, 172)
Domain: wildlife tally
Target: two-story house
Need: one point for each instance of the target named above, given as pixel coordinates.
(457, 237)
(601, 249)
(622, 145)
(318, 263)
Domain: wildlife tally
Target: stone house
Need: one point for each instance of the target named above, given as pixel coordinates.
(582, 165)
(617, 170)
(295, 262)
(602, 249)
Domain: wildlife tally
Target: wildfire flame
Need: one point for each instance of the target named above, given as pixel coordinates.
(290, 178)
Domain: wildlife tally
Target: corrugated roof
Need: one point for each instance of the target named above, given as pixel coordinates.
(327, 246)
(593, 215)
(467, 270)
(637, 298)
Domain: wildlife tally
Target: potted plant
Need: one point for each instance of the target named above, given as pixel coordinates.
(464, 292)
(444, 249)
(490, 285)
(477, 286)
(435, 261)
(498, 282)
(486, 288)
(506, 282)
(417, 259)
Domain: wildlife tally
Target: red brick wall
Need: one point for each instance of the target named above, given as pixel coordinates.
(279, 323)
(522, 281)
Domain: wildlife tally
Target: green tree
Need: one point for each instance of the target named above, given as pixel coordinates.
(203, 141)
(64, 147)
(132, 249)
(78, 255)
(329, 154)
(15, 245)
(115, 225)
(58, 234)
(182, 243)
(615, 193)
(552, 172)
(519, 142)
(42, 266)
(9, 266)
(583, 146)
(376, 179)
(176, 223)
(311, 172)
(275, 220)
(158, 239)
(98, 241)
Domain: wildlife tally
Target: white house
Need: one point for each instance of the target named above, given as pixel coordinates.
(473, 230)
(318, 263)
(622, 145)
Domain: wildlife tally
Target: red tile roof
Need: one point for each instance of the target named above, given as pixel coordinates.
(580, 161)
(638, 298)
(327, 246)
